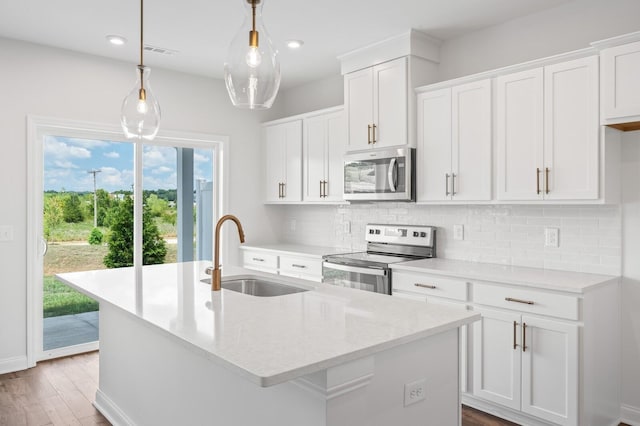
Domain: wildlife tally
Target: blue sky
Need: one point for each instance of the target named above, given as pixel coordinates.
(67, 160)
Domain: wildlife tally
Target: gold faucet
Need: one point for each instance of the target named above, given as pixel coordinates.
(216, 276)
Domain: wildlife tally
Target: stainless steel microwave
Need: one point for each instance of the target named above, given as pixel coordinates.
(380, 175)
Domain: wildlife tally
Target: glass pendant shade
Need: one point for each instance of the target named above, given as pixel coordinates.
(140, 109)
(252, 68)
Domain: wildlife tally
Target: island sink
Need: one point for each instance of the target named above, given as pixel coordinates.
(258, 287)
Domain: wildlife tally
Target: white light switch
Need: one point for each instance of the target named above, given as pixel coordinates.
(347, 227)
(292, 225)
(458, 232)
(6, 233)
(551, 237)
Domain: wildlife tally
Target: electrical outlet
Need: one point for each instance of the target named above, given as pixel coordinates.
(6, 233)
(551, 237)
(414, 392)
(458, 232)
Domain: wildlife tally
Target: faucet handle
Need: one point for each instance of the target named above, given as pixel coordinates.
(209, 270)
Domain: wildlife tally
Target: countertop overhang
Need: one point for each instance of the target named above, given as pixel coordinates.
(268, 340)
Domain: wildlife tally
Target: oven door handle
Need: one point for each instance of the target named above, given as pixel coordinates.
(359, 270)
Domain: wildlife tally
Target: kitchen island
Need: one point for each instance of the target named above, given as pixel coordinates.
(173, 352)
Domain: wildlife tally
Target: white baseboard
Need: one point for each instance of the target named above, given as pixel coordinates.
(630, 415)
(17, 363)
(111, 411)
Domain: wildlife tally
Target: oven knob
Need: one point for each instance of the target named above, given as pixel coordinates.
(416, 234)
(377, 231)
(423, 234)
(371, 231)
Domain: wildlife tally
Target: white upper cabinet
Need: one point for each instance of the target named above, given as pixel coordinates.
(376, 105)
(323, 149)
(548, 132)
(454, 143)
(571, 130)
(283, 155)
(621, 84)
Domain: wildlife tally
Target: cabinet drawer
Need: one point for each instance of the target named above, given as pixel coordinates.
(293, 265)
(527, 300)
(253, 259)
(430, 285)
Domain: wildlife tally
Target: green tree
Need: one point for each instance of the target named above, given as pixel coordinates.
(121, 238)
(72, 209)
(157, 206)
(95, 238)
(53, 214)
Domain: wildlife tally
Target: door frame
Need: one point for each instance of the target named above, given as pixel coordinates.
(37, 128)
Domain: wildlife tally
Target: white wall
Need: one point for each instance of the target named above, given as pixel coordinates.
(56, 83)
(631, 273)
(562, 29)
(320, 94)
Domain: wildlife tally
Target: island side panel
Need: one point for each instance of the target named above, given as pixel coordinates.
(148, 377)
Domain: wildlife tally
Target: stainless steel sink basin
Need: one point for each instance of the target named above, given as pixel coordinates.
(258, 287)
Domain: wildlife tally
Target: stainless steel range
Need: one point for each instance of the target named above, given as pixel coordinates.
(386, 244)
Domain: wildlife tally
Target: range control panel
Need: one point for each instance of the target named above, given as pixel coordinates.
(415, 235)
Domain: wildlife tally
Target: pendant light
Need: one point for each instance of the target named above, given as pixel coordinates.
(252, 68)
(140, 116)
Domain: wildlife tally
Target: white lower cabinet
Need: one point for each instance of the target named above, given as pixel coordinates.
(528, 364)
(305, 267)
(539, 355)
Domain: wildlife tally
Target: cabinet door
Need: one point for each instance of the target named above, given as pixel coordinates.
(571, 130)
(315, 157)
(520, 135)
(324, 144)
(550, 365)
(336, 135)
(358, 96)
(274, 138)
(496, 362)
(620, 82)
(471, 141)
(434, 146)
(390, 103)
(293, 161)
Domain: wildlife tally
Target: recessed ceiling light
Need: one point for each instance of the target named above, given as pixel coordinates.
(294, 44)
(116, 40)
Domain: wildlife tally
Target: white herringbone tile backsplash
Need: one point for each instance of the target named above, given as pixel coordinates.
(590, 236)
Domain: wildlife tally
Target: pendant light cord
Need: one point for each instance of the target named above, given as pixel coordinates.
(141, 44)
(253, 12)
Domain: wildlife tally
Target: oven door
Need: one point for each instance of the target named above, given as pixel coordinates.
(363, 278)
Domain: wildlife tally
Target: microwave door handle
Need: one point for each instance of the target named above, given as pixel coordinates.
(392, 174)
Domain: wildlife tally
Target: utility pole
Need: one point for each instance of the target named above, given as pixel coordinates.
(94, 172)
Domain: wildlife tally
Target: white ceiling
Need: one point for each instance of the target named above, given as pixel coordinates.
(202, 29)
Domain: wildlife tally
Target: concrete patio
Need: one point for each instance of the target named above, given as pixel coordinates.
(70, 330)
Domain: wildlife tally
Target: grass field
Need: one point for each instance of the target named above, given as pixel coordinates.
(59, 299)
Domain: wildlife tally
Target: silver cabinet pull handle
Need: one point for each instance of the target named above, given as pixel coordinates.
(369, 134)
(374, 134)
(257, 259)
(526, 302)
(324, 186)
(515, 325)
(425, 286)
(299, 266)
(453, 184)
(537, 180)
(446, 184)
(524, 337)
(546, 180)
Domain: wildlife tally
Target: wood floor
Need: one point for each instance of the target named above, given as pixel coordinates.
(60, 392)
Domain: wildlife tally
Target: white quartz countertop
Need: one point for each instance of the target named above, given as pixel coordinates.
(297, 249)
(574, 282)
(268, 340)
